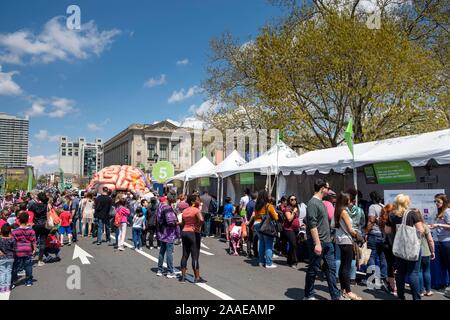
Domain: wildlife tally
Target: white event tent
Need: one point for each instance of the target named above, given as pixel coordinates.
(202, 168)
(231, 163)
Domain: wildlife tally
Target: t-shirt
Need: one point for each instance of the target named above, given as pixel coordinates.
(236, 230)
(65, 218)
(206, 200)
(103, 205)
(228, 211)
(7, 246)
(40, 213)
(2, 222)
(250, 208)
(317, 217)
(25, 239)
(375, 211)
(138, 222)
(424, 244)
(330, 209)
(443, 234)
(394, 220)
(191, 221)
(52, 242)
(244, 200)
(75, 205)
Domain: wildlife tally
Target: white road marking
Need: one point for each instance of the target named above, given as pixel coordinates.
(206, 252)
(4, 295)
(83, 255)
(190, 278)
(203, 245)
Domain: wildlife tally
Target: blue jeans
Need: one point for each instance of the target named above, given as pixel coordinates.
(207, 224)
(444, 251)
(265, 249)
(375, 243)
(337, 252)
(103, 223)
(408, 270)
(6, 266)
(314, 267)
(425, 274)
(137, 238)
(25, 263)
(166, 247)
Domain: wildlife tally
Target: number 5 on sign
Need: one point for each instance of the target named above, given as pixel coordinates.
(162, 171)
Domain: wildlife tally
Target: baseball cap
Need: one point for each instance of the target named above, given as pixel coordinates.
(66, 207)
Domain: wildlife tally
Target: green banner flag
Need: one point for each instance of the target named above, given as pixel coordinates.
(394, 172)
(162, 171)
(349, 135)
(280, 135)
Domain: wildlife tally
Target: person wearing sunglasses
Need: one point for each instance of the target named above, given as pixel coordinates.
(291, 227)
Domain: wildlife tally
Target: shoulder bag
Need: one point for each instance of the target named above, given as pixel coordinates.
(406, 242)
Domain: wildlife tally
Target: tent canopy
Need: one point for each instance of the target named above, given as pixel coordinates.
(202, 168)
(417, 149)
(269, 162)
(230, 164)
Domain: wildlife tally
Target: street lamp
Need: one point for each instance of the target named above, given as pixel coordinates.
(126, 159)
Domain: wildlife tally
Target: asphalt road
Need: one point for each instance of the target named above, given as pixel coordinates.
(129, 274)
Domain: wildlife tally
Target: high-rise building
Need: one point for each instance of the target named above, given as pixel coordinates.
(80, 157)
(13, 141)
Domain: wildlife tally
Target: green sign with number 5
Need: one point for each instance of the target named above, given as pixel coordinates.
(162, 171)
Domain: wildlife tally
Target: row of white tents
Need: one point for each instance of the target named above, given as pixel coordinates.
(281, 160)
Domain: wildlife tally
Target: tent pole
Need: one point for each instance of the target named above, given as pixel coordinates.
(217, 194)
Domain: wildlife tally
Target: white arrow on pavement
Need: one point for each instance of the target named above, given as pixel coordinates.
(83, 255)
(203, 246)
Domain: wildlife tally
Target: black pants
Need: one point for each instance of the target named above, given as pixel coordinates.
(346, 266)
(191, 246)
(151, 231)
(289, 237)
(252, 242)
(390, 260)
(41, 234)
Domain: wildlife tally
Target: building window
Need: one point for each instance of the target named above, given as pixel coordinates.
(70, 153)
(151, 150)
(76, 153)
(163, 152)
(174, 156)
(63, 152)
(63, 144)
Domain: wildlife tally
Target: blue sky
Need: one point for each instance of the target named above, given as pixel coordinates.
(133, 61)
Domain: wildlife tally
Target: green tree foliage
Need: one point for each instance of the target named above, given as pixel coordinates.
(322, 65)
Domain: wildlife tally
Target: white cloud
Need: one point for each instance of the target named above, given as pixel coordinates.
(7, 85)
(193, 123)
(55, 42)
(152, 82)
(43, 135)
(37, 109)
(44, 163)
(182, 62)
(61, 107)
(94, 127)
(203, 108)
(181, 95)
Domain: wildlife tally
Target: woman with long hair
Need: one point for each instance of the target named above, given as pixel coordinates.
(191, 237)
(427, 247)
(87, 214)
(344, 239)
(405, 268)
(291, 227)
(263, 207)
(442, 227)
(124, 213)
(387, 248)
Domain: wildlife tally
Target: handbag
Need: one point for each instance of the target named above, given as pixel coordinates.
(270, 227)
(362, 254)
(406, 242)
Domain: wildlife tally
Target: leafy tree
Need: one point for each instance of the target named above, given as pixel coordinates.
(322, 65)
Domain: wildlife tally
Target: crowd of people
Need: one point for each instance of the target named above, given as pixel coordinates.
(332, 232)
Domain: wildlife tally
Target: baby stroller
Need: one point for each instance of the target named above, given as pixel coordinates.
(237, 221)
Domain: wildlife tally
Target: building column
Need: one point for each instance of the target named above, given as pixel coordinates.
(169, 156)
(157, 147)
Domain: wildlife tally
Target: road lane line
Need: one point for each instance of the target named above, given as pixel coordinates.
(206, 252)
(190, 278)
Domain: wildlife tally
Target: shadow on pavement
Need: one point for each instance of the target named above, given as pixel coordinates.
(299, 294)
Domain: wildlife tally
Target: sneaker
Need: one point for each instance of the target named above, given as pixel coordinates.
(21, 273)
(29, 284)
(261, 264)
(447, 293)
(13, 286)
(99, 243)
(69, 244)
(171, 275)
(200, 280)
(272, 266)
(309, 298)
(41, 263)
(159, 274)
(121, 248)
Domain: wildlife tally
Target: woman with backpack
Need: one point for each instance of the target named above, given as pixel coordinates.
(121, 221)
(405, 268)
(291, 227)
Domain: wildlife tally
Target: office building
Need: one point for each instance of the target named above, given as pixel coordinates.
(13, 141)
(80, 158)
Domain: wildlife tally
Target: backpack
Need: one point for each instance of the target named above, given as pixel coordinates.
(117, 219)
(151, 217)
(212, 206)
(161, 220)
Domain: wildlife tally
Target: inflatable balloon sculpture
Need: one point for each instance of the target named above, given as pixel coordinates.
(120, 178)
